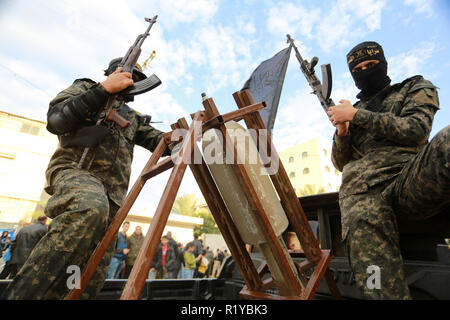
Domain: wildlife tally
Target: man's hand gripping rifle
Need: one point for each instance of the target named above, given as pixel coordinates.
(109, 113)
(322, 91)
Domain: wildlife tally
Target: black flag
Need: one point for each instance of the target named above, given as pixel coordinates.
(266, 82)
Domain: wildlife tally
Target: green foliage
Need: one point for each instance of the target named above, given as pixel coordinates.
(209, 225)
(309, 190)
(185, 205)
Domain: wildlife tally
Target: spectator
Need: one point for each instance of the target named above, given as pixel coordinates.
(172, 243)
(217, 263)
(4, 236)
(2, 245)
(225, 253)
(198, 249)
(6, 256)
(203, 267)
(190, 261)
(134, 244)
(210, 257)
(198, 246)
(25, 241)
(118, 260)
(164, 262)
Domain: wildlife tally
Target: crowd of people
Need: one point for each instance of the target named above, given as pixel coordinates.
(173, 260)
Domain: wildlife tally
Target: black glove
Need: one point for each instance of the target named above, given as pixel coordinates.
(77, 110)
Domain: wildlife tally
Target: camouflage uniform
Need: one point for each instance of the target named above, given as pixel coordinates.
(82, 205)
(387, 164)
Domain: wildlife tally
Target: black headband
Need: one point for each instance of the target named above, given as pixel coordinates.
(368, 50)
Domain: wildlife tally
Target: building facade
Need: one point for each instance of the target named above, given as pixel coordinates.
(309, 167)
(25, 150)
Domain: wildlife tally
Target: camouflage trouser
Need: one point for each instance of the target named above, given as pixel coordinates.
(81, 212)
(371, 234)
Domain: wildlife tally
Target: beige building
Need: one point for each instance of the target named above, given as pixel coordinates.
(25, 150)
(309, 163)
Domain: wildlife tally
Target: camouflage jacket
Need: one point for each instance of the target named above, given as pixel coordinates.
(134, 244)
(386, 132)
(113, 156)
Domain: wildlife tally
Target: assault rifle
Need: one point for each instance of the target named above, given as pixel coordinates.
(128, 62)
(322, 91)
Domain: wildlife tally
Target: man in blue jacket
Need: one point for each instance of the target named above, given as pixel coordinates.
(116, 266)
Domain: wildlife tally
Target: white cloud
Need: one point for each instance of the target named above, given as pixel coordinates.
(290, 18)
(225, 53)
(27, 88)
(349, 20)
(368, 11)
(342, 23)
(182, 11)
(291, 129)
(411, 63)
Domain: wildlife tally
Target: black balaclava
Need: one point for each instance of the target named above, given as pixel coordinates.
(369, 81)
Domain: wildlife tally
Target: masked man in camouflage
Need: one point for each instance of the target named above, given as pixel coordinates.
(83, 201)
(390, 170)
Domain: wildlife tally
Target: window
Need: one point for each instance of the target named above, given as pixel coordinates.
(327, 168)
(292, 175)
(291, 159)
(304, 155)
(306, 171)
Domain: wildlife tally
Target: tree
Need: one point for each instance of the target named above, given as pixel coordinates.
(309, 190)
(209, 224)
(186, 205)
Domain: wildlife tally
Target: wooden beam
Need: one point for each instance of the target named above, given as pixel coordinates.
(156, 169)
(317, 276)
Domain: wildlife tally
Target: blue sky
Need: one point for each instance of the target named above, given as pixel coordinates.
(213, 47)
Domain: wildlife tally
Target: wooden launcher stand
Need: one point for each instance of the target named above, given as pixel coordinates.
(294, 286)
